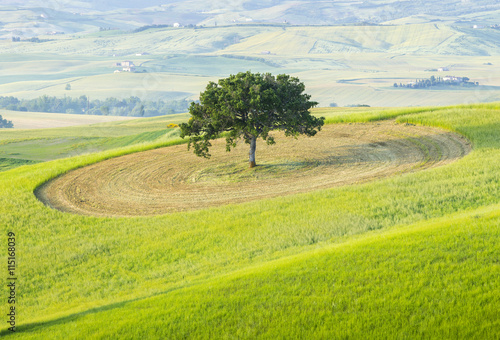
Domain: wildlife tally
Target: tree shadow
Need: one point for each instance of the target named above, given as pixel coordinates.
(381, 151)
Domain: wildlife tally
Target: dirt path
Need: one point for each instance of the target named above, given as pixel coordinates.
(173, 179)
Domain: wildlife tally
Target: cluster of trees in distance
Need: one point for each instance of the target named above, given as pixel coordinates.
(147, 27)
(132, 106)
(333, 104)
(33, 39)
(439, 81)
(4, 123)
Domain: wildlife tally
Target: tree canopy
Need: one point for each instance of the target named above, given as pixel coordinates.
(4, 123)
(249, 105)
(132, 106)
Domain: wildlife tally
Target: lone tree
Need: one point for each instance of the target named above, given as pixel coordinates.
(249, 105)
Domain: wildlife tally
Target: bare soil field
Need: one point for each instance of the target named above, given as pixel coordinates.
(173, 179)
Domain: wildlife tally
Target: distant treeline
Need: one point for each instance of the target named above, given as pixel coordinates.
(34, 40)
(147, 27)
(4, 123)
(132, 106)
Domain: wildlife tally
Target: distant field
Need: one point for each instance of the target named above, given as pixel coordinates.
(73, 16)
(43, 120)
(359, 79)
(346, 65)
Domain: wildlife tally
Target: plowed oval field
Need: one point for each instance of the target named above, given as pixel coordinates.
(173, 179)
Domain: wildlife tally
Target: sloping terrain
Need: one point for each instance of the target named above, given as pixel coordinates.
(170, 180)
(422, 38)
(345, 65)
(413, 255)
(72, 16)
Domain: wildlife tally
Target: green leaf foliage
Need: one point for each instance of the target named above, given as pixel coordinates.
(249, 105)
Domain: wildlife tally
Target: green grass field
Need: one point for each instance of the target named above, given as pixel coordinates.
(25, 145)
(412, 256)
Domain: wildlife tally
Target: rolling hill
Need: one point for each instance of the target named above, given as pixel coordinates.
(414, 255)
(346, 65)
(385, 226)
(36, 17)
(342, 61)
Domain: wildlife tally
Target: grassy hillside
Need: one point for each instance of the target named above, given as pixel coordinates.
(410, 256)
(428, 38)
(350, 39)
(24, 146)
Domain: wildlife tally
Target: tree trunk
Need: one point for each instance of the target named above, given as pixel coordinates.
(253, 145)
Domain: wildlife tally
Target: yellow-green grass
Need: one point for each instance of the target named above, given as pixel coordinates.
(119, 128)
(411, 256)
(363, 114)
(436, 279)
(27, 145)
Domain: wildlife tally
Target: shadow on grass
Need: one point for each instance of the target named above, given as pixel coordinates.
(32, 327)
(11, 163)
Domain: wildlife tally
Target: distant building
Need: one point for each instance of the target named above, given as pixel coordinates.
(128, 66)
(177, 25)
(453, 79)
(443, 69)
